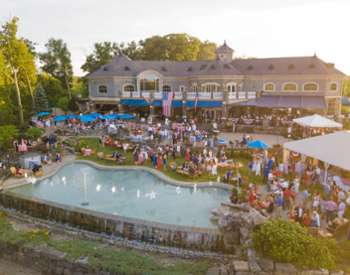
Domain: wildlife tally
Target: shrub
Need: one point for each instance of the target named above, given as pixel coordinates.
(286, 241)
(34, 133)
(7, 134)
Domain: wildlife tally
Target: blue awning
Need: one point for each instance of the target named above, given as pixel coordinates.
(205, 104)
(133, 102)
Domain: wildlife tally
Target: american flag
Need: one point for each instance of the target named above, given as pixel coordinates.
(167, 100)
(196, 102)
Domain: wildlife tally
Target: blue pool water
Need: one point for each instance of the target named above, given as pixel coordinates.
(130, 193)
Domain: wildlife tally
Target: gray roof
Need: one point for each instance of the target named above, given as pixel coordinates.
(123, 66)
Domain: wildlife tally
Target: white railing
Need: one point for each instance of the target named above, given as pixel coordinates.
(218, 95)
(232, 95)
(136, 94)
(126, 94)
(191, 95)
(158, 95)
(204, 95)
(242, 95)
(146, 94)
(178, 95)
(251, 95)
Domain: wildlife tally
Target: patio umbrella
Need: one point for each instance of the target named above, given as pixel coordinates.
(258, 144)
(222, 141)
(60, 118)
(40, 114)
(71, 116)
(87, 118)
(125, 116)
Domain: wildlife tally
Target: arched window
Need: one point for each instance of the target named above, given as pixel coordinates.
(334, 86)
(290, 87)
(310, 87)
(166, 88)
(270, 87)
(129, 88)
(102, 89)
(149, 80)
(231, 87)
(210, 87)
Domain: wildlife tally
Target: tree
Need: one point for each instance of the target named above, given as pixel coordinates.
(207, 51)
(53, 88)
(102, 54)
(41, 100)
(57, 62)
(7, 134)
(19, 62)
(346, 87)
(176, 47)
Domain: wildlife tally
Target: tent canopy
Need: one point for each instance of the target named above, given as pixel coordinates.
(317, 121)
(333, 149)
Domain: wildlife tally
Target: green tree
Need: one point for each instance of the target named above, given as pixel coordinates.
(41, 100)
(102, 54)
(57, 62)
(177, 47)
(346, 87)
(7, 134)
(19, 62)
(207, 51)
(53, 88)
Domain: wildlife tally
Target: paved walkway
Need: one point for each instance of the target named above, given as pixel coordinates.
(269, 139)
(48, 169)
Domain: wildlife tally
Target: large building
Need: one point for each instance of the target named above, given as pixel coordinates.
(287, 82)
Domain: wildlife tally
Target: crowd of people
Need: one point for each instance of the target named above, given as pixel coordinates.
(280, 189)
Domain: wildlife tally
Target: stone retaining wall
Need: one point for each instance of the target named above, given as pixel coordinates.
(133, 229)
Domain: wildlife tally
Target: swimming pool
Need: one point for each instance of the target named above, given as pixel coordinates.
(130, 193)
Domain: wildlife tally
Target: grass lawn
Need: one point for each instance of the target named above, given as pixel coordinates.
(94, 144)
(111, 258)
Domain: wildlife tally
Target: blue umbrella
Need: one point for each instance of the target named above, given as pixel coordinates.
(87, 118)
(125, 116)
(110, 116)
(257, 144)
(60, 118)
(221, 141)
(71, 116)
(43, 114)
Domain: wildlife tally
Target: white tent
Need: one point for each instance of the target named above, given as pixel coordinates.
(317, 121)
(333, 149)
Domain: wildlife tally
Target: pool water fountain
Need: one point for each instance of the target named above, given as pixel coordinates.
(135, 194)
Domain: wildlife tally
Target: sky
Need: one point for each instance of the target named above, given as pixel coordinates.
(253, 28)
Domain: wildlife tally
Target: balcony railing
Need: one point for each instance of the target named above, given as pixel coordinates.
(232, 96)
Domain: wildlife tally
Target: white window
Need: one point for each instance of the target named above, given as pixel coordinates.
(129, 88)
(210, 87)
(291, 87)
(102, 89)
(311, 87)
(269, 87)
(231, 87)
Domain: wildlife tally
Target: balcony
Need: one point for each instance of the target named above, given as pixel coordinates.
(216, 96)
